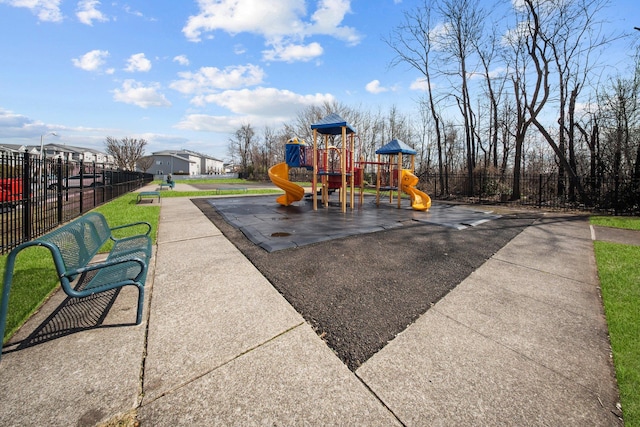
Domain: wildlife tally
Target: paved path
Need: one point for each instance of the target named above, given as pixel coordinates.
(521, 341)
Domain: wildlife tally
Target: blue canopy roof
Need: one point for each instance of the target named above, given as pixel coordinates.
(332, 125)
(396, 147)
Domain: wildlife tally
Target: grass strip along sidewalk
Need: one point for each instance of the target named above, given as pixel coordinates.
(619, 272)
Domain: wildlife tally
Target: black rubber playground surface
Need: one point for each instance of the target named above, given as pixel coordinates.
(361, 277)
(274, 227)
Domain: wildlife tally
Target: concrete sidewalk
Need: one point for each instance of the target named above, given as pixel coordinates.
(522, 341)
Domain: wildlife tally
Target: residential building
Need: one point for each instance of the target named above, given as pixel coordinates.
(14, 150)
(185, 162)
(76, 154)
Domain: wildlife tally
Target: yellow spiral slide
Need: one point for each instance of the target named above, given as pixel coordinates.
(419, 201)
(279, 175)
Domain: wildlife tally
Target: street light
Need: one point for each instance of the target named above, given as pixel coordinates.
(42, 143)
(42, 155)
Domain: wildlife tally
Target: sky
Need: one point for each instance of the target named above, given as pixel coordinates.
(187, 74)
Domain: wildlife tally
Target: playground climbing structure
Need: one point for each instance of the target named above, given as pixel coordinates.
(331, 157)
(393, 176)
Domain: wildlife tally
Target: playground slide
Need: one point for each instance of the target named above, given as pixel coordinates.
(279, 175)
(419, 201)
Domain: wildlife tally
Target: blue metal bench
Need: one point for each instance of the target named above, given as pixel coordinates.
(74, 245)
(170, 185)
(221, 190)
(148, 194)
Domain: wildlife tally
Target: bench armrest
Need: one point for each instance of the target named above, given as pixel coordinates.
(133, 224)
(8, 277)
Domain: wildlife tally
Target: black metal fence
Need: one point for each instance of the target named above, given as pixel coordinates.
(37, 195)
(545, 191)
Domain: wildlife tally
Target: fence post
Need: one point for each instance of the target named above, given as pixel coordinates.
(26, 197)
(59, 189)
(616, 192)
(540, 191)
(435, 186)
(95, 186)
(81, 186)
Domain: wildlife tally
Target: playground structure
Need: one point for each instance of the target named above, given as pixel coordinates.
(332, 159)
(387, 175)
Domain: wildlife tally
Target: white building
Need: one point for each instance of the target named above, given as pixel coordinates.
(185, 162)
(77, 154)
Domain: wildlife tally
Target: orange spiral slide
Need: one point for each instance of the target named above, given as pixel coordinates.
(279, 175)
(419, 201)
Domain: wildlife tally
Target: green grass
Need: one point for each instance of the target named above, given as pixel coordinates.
(35, 276)
(225, 192)
(619, 271)
(206, 181)
(628, 222)
(219, 192)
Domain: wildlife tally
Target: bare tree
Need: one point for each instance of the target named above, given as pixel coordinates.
(424, 146)
(620, 119)
(488, 50)
(126, 151)
(412, 43)
(145, 163)
(301, 126)
(240, 148)
(571, 30)
(464, 24)
(263, 151)
(530, 58)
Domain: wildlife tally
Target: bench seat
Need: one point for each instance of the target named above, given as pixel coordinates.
(148, 194)
(73, 247)
(221, 190)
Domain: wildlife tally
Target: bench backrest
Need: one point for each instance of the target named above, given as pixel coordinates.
(79, 240)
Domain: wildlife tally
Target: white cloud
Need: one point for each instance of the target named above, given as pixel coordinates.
(260, 107)
(268, 102)
(439, 36)
(209, 79)
(45, 10)
(327, 19)
(582, 108)
(284, 25)
(293, 52)
(15, 125)
(20, 129)
(420, 85)
(136, 93)
(130, 11)
(375, 88)
(88, 12)
(181, 59)
(208, 123)
(138, 62)
(253, 16)
(91, 61)
(497, 72)
(515, 35)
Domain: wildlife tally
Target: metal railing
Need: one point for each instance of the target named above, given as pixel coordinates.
(37, 195)
(545, 191)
